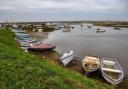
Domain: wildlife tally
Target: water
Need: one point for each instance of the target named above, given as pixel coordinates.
(85, 41)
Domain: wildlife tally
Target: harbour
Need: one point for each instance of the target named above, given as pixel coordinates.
(85, 41)
(68, 44)
(63, 44)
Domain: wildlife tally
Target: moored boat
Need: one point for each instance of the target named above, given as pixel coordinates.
(26, 40)
(24, 44)
(22, 36)
(99, 30)
(117, 28)
(89, 26)
(41, 47)
(66, 30)
(67, 57)
(18, 31)
(90, 64)
(111, 71)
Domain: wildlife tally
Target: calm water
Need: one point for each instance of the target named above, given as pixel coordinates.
(84, 41)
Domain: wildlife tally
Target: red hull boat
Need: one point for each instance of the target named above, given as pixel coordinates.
(41, 47)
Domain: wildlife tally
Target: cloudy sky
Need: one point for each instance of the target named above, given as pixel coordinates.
(50, 10)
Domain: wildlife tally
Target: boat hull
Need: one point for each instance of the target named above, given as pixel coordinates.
(67, 60)
(101, 31)
(113, 82)
(67, 57)
(109, 76)
(87, 62)
(89, 73)
(41, 49)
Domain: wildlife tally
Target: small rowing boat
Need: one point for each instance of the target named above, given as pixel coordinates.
(117, 28)
(99, 30)
(111, 71)
(67, 57)
(66, 30)
(90, 64)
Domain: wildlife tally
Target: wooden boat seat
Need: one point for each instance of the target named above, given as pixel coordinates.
(111, 70)
(106, 62)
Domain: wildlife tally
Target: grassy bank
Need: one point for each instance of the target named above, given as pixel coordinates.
(20, 70)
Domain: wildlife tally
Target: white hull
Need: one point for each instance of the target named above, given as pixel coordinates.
(66, 30)
(114, 82)
(100, 31)
(67, 58)
(109, 74)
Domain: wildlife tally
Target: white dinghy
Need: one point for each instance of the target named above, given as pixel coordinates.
(67, 57)
(111, 71)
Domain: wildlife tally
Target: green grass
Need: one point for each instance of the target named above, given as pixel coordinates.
(20, 70)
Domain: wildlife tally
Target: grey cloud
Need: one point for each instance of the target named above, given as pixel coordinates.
(62, 8)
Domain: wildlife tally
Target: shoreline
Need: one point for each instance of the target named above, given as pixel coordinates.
(77, 67)
(26, 70)
(73, 66)
(54, 56)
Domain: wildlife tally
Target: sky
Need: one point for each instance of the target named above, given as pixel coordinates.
(62, 10)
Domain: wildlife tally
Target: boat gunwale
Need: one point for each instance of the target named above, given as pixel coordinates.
(104, 74)
(92, 70)
(68, 55)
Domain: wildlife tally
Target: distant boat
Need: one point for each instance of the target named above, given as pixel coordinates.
(29, 43)
(66, 30)
(99, 30)
(41, 47)
(18, 31)
(60, 27)
(27, 40)
(89, 26)
(67, 57)
(81, 25)
(72, 27)
(22, 35)
(117, 28)
(111, 71)
(90, 64)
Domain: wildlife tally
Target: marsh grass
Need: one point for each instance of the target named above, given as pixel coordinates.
(20, 70)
